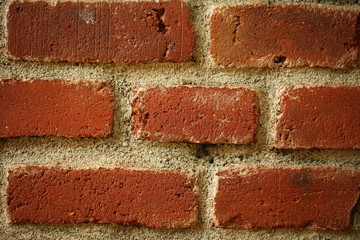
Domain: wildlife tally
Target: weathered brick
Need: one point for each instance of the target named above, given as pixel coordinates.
(314, 197)
(290, 35)
(195, 114)
(158, 199)
(100, 32)
(55, 108)
(319, 117)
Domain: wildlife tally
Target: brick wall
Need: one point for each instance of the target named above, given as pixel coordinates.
(179, 120)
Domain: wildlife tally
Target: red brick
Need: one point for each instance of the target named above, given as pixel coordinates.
(195, 114)
(290, 35)
(158, 199)
(55, 108)
(314, 197)
(319, 117)
(100, 32)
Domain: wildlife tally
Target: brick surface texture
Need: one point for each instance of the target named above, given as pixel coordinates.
(100, 32)
(315, 197)
(319, 117)
(162, 199)
(55, 108)
(195, 114)
(290, 35)
(179, 119)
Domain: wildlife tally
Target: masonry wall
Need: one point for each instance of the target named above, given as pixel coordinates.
(179, 120)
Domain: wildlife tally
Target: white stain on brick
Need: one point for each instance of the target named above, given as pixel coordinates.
(87, 16)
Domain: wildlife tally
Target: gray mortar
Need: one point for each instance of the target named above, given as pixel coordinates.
(125, 150)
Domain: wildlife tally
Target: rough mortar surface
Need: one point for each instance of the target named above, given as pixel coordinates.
(125, 150)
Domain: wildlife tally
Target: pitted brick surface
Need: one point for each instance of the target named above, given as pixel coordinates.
(158, 199)
(100, 32)
(195, 114)
(319, 117)
(290, 35)
(55, 108)
(314, 197)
